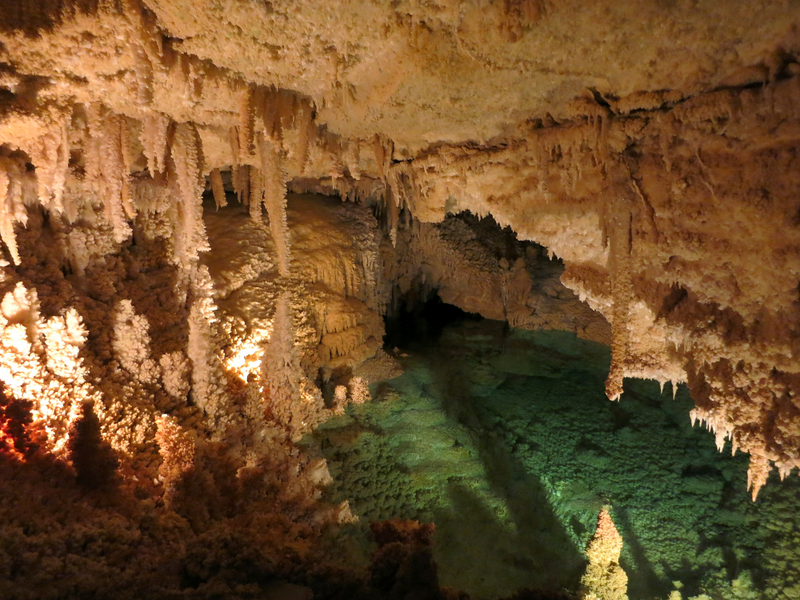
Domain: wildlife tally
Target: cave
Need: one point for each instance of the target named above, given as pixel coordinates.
(419, 300)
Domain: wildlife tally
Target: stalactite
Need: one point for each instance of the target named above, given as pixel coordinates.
(392, 214)
(284, 102)
(236, 166)
(190, 237)
(125, 155)
(50, 155)
(351, 158)
(256, 191)
(274, 199)
(246, 117)
(398, 196)
(217, 188)
(244, 184)
(305, 132)
(621, 289)
(12, 208)
(153, 137)
(757, 473)
(108, 170)
(270, 119)
(384, 148)
(113, 176)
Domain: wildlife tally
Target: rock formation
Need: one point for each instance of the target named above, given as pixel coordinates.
(652, 148)
(604, 578)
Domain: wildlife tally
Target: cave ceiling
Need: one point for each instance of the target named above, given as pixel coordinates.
(418, 72)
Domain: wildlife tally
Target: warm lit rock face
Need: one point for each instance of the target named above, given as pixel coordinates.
(652, 147)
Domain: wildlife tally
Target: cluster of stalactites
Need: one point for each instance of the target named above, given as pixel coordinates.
(273, 137)
(43, 140)
(108, 166)
(718, 422)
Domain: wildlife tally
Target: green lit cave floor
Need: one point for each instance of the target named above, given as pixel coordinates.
(505, 440)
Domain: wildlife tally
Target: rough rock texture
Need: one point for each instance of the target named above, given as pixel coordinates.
(475, 266)
(650, 146)
(604, 578)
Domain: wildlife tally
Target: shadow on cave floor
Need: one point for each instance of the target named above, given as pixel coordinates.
(545, 547)
(477, 551)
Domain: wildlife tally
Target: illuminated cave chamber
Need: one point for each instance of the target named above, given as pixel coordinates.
(207, 209)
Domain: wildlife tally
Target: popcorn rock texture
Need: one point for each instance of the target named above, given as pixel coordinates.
(604, 578)
(651, 148)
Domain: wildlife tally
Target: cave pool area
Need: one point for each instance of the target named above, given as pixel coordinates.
(505, 440)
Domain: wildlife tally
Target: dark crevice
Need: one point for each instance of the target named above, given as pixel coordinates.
(419, 320)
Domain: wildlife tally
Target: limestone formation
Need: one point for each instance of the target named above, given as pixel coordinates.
(604, 578)
(650, 149)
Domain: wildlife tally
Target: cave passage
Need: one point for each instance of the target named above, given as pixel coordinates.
(420, 319)
(504, 439)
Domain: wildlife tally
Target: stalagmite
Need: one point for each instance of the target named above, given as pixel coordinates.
(281, 373)
(175, 370)
(132, 343)
(207, 376)
(604, 578)
(177, 450)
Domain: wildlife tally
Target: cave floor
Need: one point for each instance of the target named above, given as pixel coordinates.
(505, 440)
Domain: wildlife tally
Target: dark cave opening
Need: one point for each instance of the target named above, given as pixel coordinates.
(419, 320)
